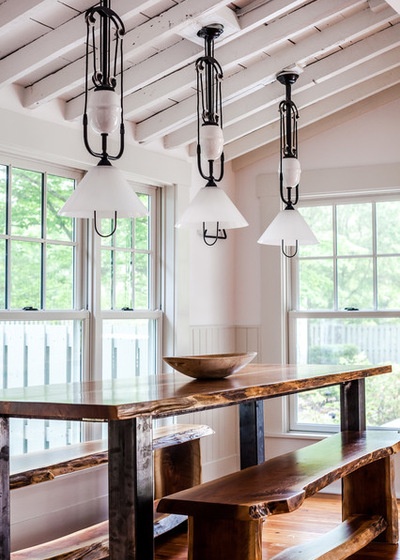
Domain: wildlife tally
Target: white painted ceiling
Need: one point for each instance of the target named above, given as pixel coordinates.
(348, 51)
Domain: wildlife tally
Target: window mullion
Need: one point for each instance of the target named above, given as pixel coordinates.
(8, 241)
(335, 261)
(374, 257)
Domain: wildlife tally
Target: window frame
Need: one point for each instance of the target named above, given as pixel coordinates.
(87, 270)
(293, 313)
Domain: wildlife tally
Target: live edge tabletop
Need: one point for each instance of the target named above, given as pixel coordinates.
(130, 405)
(171, 393)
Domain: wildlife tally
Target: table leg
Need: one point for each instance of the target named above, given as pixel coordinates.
(4, 489)
(251, 433)
(131, 489)
(352, 405)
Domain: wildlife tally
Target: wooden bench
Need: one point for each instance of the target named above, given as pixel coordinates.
(177, 465)
(226, 515)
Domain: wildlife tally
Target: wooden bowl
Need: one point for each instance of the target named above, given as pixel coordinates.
(210, 366)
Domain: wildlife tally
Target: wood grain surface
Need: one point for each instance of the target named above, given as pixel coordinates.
(171, 393)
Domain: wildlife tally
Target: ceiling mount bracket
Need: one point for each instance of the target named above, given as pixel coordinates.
(211, 32)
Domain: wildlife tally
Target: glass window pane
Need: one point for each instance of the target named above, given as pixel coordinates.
(3, 198)
(354, 229)
(142, 227)
(26, 204)
(355, 283)
(25, 274)
(123, 237)
(39, 353)
(388, 282)
(316, 286)
(59, 189)
(320, 220)
(59, 277)
(362, 341)
(387, 225)
(105, 226)
(128, 348)
(142, 281)
(123, 279)
(107, 271)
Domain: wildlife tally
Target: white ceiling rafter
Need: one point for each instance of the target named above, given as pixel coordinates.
(245, 108)
(260, 73)
(319, 110)
(347, 51)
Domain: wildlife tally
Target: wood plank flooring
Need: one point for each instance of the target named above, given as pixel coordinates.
(318, 515)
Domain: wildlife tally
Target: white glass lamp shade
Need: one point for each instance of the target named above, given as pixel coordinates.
(290, 227)
(211, 141)
(104, 110)
(291, 172)
(212, 204)
(105, 190)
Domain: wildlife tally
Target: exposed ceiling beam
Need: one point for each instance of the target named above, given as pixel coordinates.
(12, 12)
(168, 83)
(313, 113)
(245, 46)
(136, 40)
(245, 107)
(317, 92)
(325, 124)
(262, 72)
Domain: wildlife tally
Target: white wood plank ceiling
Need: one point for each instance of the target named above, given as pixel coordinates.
(347, 51)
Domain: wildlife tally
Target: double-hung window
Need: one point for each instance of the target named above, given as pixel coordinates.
(130, 306)
(346, 305)
(73, 306)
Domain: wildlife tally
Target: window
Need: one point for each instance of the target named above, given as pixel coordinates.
(346, 306)
(129, 297)
(48, 306)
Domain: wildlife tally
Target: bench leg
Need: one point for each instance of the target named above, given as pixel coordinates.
(4, 489)
(215, 539)
(370, 490)
(176, 468)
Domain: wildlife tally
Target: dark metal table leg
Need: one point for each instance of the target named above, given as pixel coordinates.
(131, 489)
(251, 433)
(4, 489)
(352, 405)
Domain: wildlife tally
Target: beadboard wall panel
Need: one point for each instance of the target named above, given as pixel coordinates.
(220, 452)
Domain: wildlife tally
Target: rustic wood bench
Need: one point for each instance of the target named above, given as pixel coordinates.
(226, 514)
(177, 465)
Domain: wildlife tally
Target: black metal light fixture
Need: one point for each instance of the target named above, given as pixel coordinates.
(103, 192)
(288, 228)
(211, 204)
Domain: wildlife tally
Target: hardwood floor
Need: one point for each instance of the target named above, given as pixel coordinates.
(318, 515)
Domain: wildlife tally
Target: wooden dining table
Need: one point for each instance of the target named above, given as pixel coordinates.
(130, 406)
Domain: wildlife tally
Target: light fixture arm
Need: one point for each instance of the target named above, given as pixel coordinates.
(289, 255)
(219, 234)
(104, 70)
(209, 98)
(288, 136)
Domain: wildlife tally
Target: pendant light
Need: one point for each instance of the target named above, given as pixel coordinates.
(104, 192)
(288, 228)
(211, 206)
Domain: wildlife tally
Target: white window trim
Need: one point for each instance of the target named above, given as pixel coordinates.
(292, 425)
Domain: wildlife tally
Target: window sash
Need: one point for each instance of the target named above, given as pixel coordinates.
(87, 306)
(297, 313)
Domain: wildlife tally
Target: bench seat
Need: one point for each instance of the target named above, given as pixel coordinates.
(226, 515)
(177, 465)
(29, 469)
